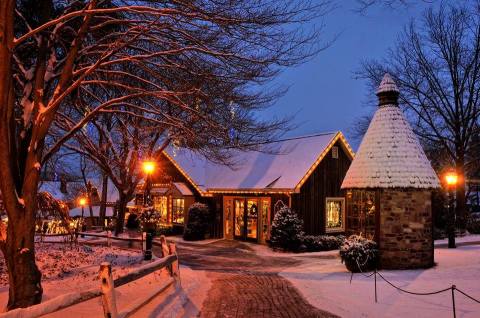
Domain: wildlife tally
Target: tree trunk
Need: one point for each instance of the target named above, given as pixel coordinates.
(103, 200)
(122, 208)
(18, 192)
(25, 288)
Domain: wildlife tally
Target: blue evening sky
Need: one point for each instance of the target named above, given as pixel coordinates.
(323, 92)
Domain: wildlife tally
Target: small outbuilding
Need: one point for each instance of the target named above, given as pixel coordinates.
(389, 186)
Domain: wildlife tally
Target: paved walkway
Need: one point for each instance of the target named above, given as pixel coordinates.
(245, 284)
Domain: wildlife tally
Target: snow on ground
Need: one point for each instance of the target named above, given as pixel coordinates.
(179, 239)
(67, 269)
(185, 301)
(471, 238)
(177, 301)
(325, 283)
(62, 261)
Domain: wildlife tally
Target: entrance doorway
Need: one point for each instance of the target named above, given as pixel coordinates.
(246, 219)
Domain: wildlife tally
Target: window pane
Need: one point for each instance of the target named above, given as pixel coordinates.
(334, 214)
(178, 210)
(160, 204)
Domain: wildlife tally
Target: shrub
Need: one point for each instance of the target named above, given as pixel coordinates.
(287, 230)
(473, 226)
(359, 254)
(198, 222)
(132, 222)
(316, 243)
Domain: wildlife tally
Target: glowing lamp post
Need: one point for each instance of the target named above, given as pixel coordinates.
(451, 180)
(148, 169)
(82, 202)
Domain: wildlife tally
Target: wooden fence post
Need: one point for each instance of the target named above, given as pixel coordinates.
(175, 264)
(165, 249)
(108, 291)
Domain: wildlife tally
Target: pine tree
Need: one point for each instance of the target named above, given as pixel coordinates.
(287, 230)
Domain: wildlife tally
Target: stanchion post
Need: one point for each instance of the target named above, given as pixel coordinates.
(108, 291)
(453, 301)
(375, 275)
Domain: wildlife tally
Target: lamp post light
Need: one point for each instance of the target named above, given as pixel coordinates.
(451, 180)
(148, 169)
(82, 202)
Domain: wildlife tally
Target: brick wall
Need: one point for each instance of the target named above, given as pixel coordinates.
(405, 229)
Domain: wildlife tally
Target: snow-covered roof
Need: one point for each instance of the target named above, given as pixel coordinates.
(285, 167)
(387, 84)
(390, 155)
(95, 209)
(182, 188)
(53, 187)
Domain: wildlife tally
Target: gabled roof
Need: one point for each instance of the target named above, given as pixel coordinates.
(390, 155)
(284, 168)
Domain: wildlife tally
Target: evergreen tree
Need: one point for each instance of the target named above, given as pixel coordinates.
(287, 230)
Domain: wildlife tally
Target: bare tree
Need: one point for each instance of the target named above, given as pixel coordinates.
(364, 5)
(437, 66)
(53, 51)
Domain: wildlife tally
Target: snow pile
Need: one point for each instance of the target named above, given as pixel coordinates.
(58, 261)
(325, 283)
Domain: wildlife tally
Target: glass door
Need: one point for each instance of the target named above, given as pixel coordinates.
(245, 219)
(252, 219)
(239, 215)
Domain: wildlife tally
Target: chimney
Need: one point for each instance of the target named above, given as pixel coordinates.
(387, 92)
(63, 184)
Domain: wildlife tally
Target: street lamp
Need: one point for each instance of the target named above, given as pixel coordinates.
(148, 169)
(82, 201)
(451, 180)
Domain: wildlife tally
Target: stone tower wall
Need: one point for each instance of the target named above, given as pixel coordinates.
(405, 238)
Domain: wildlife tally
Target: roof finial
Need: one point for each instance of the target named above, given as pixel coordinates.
(388, 91)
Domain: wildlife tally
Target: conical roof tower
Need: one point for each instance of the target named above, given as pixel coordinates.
(390, 155)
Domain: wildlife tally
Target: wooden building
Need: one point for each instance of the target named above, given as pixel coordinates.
(304, 173)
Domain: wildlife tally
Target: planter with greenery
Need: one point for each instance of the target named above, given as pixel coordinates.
(359, 254)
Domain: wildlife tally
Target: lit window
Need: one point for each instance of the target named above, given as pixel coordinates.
(335, 215)
(160, 204)
(178, 209)
(335, 152)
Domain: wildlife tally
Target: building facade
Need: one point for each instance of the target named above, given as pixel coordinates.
(304, 173)
(389, 186)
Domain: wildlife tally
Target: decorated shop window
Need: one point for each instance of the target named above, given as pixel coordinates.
(178, 210)
(160, 204)
(335, 215)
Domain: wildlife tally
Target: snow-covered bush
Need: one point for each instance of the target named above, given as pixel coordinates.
(149, 218)
(198, 222)
(473, 226)
(133, 222)
(316, 243)
(287, 230)
(359, 254)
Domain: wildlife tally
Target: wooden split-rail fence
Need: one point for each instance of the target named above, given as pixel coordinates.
(107, 287)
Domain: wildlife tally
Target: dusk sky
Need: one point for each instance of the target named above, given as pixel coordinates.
(323, 92)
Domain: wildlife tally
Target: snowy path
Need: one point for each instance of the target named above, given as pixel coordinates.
(324, 281)
(245, 284)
